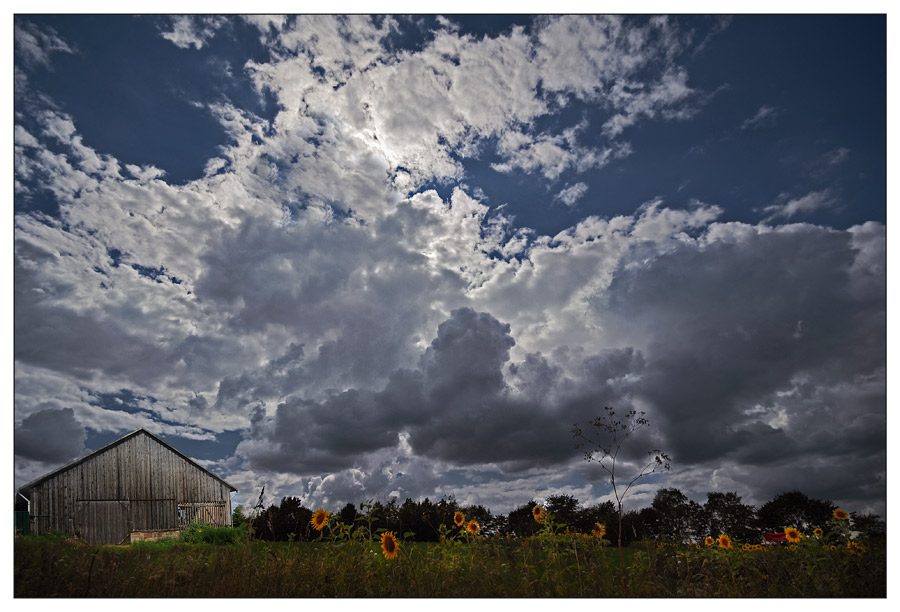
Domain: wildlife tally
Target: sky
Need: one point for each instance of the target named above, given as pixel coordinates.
(352, 258)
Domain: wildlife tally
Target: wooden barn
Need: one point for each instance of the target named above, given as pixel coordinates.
(136, 488)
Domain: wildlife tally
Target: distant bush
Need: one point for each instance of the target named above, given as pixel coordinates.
(197, 533)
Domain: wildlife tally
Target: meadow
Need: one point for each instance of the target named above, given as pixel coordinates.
(351, 562)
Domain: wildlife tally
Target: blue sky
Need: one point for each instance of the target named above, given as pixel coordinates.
(353, 258)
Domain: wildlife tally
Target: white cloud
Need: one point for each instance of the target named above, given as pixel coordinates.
(571, 194)
(425, 111)
(36, 45)
(811, 202)
(837, 156)
(764, 116)
(193, 30)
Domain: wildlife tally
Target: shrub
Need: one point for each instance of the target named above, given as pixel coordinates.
(198, 532)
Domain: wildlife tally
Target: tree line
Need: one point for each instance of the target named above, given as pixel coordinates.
(670, 515)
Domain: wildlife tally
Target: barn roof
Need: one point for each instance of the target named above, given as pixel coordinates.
(26, 489)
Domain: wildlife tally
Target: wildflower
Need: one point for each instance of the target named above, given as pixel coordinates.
(855, 548)
(599, 530)
(319, 519)
(459, 518)
(725, 542)
(818, 532)
(792, 535)
(840, 514)
(389, 545)
(832, 547)
(473, 527)
(539, 514)
(710, 540)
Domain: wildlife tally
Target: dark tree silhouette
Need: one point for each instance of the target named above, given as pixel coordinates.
(794, 509)
(726, 514)
(565, 509)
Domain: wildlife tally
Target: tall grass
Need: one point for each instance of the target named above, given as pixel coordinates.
(548, 566)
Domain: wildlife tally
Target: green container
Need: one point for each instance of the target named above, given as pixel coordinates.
(23, 522)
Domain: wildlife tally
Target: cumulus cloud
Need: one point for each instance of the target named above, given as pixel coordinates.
(51, 435)
(193, 30)
(464, 404)
(423, 112)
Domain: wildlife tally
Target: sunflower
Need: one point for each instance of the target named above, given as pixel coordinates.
(540, 515)
(473, 527)
(818, 532)
(792, 535)
(389, 545)
(459, 518)
(710, 541)
(599, 530)
(725, 542)
(840, 514)
(319, 519)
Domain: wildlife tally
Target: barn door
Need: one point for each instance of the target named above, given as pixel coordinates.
(102, 522)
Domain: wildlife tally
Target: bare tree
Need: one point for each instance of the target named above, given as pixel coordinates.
(604, 441)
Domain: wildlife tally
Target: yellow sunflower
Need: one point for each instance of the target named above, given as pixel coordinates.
(473, 527)
(599, 530)
(840, 514)
(710, 541)
(818, 532)
(725, 542)
(792, 535)
(459, 518)
(540, 515)
(319, 519)
(389, 545)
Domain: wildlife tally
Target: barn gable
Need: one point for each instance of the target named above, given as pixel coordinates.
(137, 484)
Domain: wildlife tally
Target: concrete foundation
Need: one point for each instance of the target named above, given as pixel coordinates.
(152, 536)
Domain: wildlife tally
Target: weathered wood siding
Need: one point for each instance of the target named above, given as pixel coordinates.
(137, 480)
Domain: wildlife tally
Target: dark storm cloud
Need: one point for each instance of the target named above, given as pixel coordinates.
(458, 406)
(352, 303)
(752, 341)
(52, 335)
(51, 435)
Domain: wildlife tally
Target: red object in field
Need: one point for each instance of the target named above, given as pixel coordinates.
(775, 537)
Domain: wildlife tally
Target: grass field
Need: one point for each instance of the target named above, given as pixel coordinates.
(547, 566)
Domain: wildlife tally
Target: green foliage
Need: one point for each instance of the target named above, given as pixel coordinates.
(52, 536)
(794, 509)
(724, 513)
(238, 518)
(556, 560)
(198, 532)
(548, 565)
